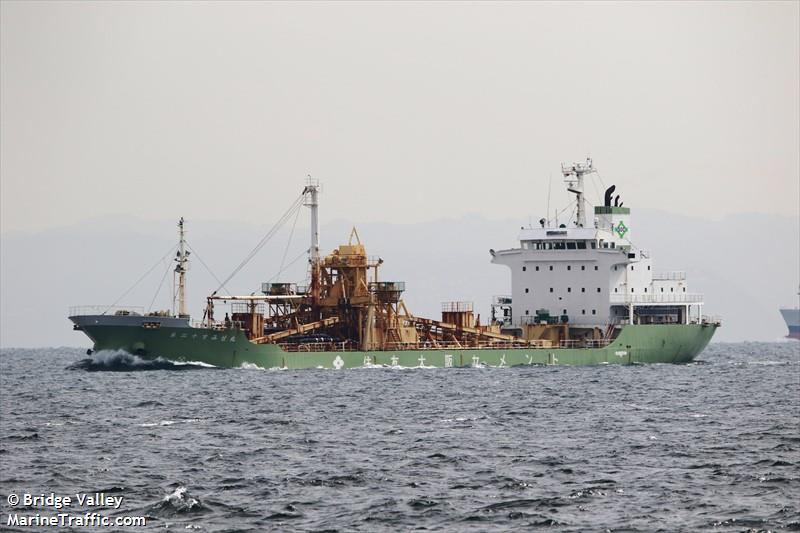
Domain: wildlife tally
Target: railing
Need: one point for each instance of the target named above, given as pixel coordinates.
(677, 275)
(444, 345)
(84, 310)
(318, 347)
(451, 345)
(597, 343)
(584, 343)
(387, 286)
(456, 307)
(217, 324)
(672, 298)
(706, 319)
(244, 308)
(540, 319)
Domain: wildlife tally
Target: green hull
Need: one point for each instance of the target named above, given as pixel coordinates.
(674, 343)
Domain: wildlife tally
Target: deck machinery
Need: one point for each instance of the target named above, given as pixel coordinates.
(346, 306)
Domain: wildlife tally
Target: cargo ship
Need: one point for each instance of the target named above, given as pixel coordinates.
(581, 294)
(792, 319)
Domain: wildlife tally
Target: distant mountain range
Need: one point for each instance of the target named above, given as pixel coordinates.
(747, 265)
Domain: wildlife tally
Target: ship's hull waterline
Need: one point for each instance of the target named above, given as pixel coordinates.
(673, 343)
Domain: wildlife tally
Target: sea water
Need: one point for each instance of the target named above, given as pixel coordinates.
(708, 446)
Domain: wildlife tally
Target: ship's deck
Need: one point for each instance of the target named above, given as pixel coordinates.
(412, 346)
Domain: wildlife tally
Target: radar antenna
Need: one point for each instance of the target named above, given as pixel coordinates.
(573, 176)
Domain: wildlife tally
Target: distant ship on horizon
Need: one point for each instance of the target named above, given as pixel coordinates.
(792, 319)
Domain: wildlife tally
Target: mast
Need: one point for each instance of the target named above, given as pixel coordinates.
(311, 193)
(573, 175)
(182, 258)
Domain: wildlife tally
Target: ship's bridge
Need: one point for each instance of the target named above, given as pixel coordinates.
(569, 239)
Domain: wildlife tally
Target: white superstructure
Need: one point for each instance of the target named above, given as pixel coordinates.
(591, 272)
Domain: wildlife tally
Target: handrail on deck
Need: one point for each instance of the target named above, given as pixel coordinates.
(671, 298)
(85, 310)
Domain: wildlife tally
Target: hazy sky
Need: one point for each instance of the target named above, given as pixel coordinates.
(412, 111)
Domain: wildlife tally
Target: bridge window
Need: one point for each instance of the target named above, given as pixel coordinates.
(571, 246)
(581, 245)
(594, 245)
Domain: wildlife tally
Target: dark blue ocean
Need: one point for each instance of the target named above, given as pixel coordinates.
(708, 446)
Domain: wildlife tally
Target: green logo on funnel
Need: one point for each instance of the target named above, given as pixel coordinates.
(621, 229)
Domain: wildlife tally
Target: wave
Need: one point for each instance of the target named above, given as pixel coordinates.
(178, 502)
(120, 361)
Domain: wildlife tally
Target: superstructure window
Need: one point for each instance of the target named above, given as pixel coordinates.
(645, 289)
(615, 289)
(569, 289)
(526, 290)
(537, 269)
(565, 312)
(551, 267)
(524, 269)
(684, 289)
(595, 267)
(594, 311)
(631, 267)
(631, 289)
(598, 289)
(648, 267)
(527, 311)
(583, 289)
(583, 267)
(551, 289)
(672, 289)
(569, 267)
(662, 289)
(583, 311)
